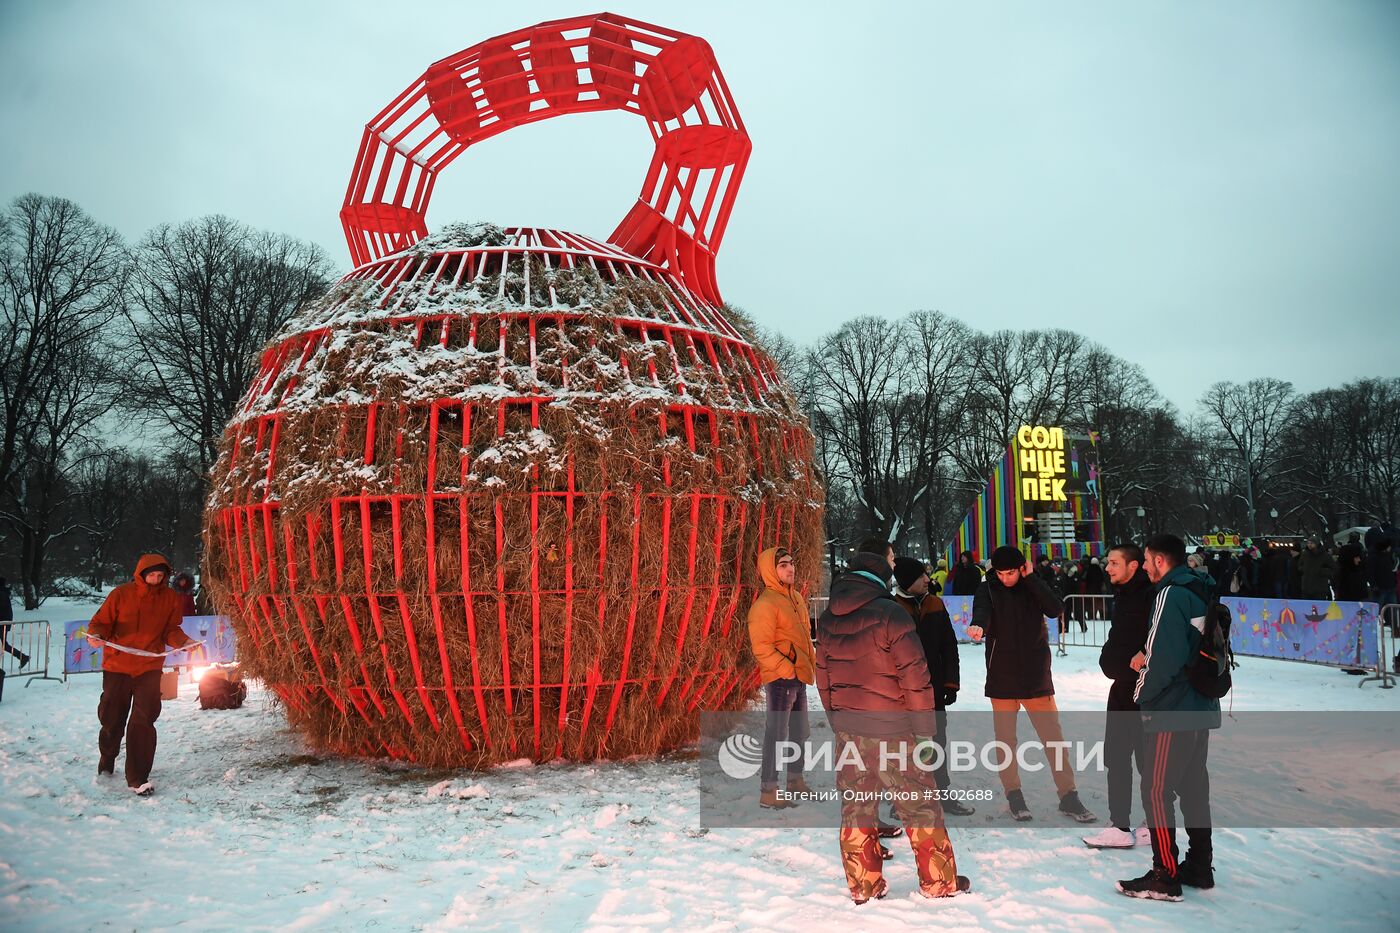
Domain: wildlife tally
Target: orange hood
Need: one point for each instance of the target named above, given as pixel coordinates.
(768, 570)
(149, 561)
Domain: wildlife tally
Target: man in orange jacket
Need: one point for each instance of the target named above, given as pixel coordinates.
(780, 635)
(143, 616)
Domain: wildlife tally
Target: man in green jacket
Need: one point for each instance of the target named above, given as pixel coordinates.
(1176, 721)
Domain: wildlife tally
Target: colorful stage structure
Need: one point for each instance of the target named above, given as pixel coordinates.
(1042, 497)
(501, 493)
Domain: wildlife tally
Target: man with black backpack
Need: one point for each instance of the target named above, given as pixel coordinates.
(1185, 671)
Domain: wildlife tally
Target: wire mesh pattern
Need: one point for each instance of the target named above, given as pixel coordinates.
(501, 493)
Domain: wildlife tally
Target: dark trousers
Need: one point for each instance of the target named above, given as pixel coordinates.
(787, 719)
(1175, 768)
(9, 648)
(1122, 746)
(940, 774)
(130, 705)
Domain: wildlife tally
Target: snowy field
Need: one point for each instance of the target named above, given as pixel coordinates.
(251, 830)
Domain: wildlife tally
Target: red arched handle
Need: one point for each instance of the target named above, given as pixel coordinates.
(600, 62)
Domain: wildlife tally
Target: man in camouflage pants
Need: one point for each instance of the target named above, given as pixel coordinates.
(914, 792)
(874, 683)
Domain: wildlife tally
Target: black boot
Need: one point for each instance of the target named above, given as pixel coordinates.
(1071, 806)
(954, 807)
(888, 830)
(1016, 801)
(964, 885)
(1156, 885)
(1196, 872)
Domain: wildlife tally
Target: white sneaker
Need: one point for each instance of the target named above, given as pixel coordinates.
(1110, 838)
(1144, 835)
(145, 790)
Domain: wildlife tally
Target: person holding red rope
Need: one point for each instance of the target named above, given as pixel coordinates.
(1176, 720)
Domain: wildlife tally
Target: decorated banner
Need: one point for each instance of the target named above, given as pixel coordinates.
(214, 632)
(1320, 630)
(1342, 634)
(1221, 541)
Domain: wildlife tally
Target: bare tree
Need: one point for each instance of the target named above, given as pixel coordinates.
(1142, 449)
(855, 376)
(40, 495)
(938, 376)
(61, 277)
(1021, 377)
(207, 296)
(1251, 418)
(1372, 415)
(1318, 444)
(104, 483)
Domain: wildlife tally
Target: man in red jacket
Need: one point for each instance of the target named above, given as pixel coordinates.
(136, 622)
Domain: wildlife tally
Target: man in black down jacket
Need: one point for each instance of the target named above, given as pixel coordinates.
(940, 643)
(1009, 612)
(870, 661)
(1121, 659)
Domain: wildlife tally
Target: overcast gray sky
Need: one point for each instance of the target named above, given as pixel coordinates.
(1210, 189)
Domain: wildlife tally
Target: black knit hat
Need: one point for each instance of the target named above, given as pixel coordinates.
(907, 570)
(1007, 557)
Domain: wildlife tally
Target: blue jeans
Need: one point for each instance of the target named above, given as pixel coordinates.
(787, 719)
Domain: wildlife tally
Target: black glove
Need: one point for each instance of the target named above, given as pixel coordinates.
(949, 697)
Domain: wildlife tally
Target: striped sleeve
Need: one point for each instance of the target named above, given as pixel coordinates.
(1152, 679)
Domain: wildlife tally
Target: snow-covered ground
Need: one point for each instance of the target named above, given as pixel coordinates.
(249, 829)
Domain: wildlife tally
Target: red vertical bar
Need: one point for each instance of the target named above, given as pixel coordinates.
(568, 608)
(471, 623)
(632, 608)
(395, 513)
(736, 587)
(689, 598)
(389, 671)
(334, 695)
(338, 540)
(501, 616)
(535, 609)
(433, 412)
(411, 638)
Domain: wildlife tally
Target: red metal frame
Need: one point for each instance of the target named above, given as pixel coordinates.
(576, 65)
(397, 677)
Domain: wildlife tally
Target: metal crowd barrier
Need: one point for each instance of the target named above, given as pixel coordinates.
(1085, 621)
(1388, 622)
(27, 642)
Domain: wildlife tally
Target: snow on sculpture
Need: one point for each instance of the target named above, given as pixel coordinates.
(500, 493)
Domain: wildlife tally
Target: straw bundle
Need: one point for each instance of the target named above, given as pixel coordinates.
(501, 496)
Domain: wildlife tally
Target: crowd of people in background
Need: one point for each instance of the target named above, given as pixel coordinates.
(1289, 570)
